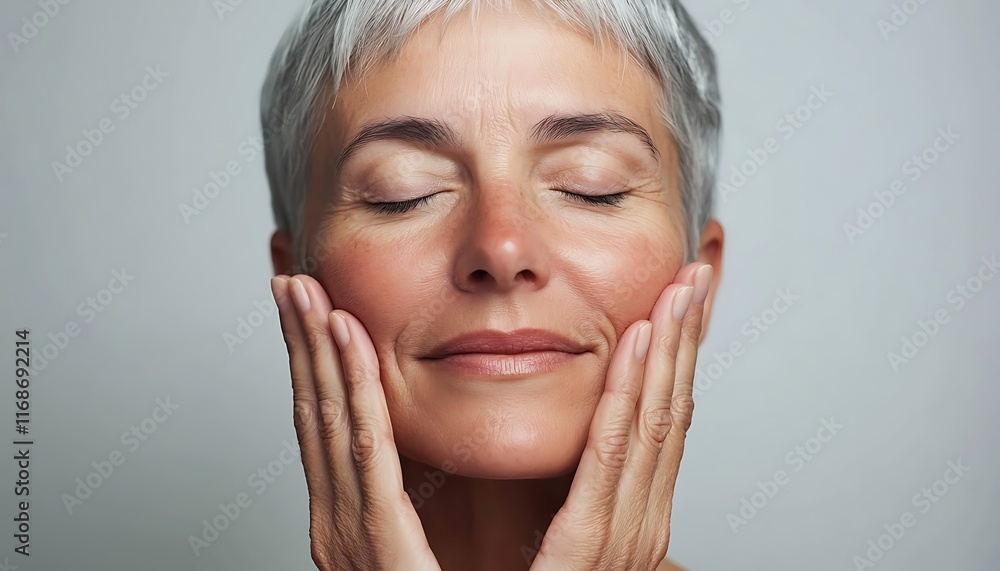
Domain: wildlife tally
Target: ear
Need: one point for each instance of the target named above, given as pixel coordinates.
(710, 252)
(282, 252)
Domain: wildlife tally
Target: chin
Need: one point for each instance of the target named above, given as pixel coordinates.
(501, 427)
(527, 444)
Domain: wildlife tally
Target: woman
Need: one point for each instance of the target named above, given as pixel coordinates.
(500, 214)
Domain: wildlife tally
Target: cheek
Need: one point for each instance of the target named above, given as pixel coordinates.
(635, 278)
(383, 284)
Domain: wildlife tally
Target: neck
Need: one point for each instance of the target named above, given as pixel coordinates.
(476, 523)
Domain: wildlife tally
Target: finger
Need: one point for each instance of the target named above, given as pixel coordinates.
(592, 494)
(374, 451)
(652, 418)
(685, 275)
(313, 305)
(667, 317)
(356, 515)
(388, 514)
(305, 406)
(682, 401)
(656, 531)
(653, 415)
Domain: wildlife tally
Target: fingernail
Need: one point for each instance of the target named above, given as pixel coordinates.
(702, 280)
(682, 299)
(275, 282)
(299, 294)
(340, 332)
(642, 338)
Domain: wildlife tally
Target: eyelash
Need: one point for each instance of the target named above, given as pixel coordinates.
(398, 207)
(603, 200)
(407, 205)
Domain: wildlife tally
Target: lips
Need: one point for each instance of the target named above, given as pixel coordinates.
(495, 355)
(501, 343)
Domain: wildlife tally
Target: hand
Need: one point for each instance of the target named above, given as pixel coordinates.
(617, 513)
(359, 515)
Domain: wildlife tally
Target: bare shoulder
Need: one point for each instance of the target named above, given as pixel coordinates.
(668, 565)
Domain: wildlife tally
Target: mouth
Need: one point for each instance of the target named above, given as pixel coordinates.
(496, 353)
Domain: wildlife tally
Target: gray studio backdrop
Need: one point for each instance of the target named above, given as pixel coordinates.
(847, 397)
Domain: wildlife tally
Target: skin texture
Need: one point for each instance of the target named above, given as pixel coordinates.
(496, 246)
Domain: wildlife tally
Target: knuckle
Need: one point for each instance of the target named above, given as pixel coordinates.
(661, 543)
(320, 548)
(656, 538)
(305, 418)
(612, 448)
(320, 558)
(334, 413)
(656, 423)
(683, 408)
(336, 538)
(363, 448)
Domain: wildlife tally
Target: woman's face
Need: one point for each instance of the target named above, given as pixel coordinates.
(505, 119)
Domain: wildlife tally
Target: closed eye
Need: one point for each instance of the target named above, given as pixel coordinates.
(602, 200)
(407, 205)
(398, 207)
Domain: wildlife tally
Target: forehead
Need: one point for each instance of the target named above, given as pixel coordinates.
(499, 71)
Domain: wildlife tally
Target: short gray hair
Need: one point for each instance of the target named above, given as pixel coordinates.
(333, 38)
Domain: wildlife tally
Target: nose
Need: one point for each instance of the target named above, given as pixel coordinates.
(504, 243)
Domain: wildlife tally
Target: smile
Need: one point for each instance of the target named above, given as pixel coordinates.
(496, 353)
(500, 364)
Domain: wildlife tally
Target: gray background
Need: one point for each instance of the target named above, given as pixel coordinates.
(826, 356)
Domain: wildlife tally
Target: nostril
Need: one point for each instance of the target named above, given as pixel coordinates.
(526, 275)
(480, 276)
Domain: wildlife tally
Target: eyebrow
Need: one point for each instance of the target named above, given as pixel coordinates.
(434, 133)
(559, 127)
(429, 132)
